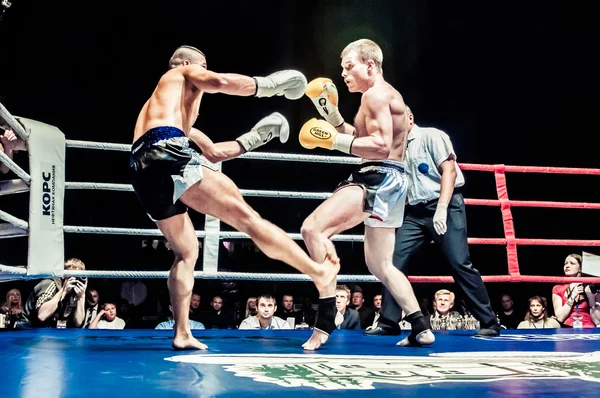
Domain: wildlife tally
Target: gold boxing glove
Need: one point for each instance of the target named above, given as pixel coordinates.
(322, 134)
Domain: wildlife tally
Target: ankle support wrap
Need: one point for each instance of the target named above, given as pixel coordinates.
(325, 321)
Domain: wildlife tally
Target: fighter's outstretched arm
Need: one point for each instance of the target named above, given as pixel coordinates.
(213, 82)
(269, 127)
(289, 83)
(216, 152)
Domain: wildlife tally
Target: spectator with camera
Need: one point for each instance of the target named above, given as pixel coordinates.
(573, 301)
(107, 318)
(57, 302)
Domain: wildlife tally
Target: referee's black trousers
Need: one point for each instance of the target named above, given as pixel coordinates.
(416, 232)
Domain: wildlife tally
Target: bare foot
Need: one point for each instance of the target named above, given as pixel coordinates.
(329, 269)
(317, 339)
(426, 337)
(188, 343)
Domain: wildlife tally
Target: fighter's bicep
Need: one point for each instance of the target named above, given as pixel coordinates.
(378, 117)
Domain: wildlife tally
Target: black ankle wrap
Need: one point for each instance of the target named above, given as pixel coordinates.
(419, 323)
(325, 320)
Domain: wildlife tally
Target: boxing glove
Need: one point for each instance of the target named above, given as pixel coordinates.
(322, 134)
(324, 95)
(289, 83)
(274, 125)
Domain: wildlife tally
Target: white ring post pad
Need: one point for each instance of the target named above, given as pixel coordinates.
(46, 148)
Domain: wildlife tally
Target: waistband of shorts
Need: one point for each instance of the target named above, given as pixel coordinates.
(155, 135)
(395, 164)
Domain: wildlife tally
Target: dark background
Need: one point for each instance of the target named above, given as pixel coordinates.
(508, 81)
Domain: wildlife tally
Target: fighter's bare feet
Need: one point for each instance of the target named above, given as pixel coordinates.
(317, 339)
(329, 269)
(187, 343)
(424, 338)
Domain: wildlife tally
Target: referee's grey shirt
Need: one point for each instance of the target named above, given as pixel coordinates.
(427, 149)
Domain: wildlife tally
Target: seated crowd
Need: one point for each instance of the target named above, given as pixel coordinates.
(70, 302)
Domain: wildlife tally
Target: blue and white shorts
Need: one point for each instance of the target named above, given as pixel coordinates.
(162, 167)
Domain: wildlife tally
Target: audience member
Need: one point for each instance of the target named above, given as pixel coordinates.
(195, 313)
(508, 317)
(570, 300)
(371, 321)
(265, 318)
(58, 302)
(346, 318)
(443, 318)
(107, 318)
(91, 306)
(537, 317)
(287, 309)
(12, 308)
(217, 317)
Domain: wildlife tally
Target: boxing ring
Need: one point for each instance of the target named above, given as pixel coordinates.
(74, 363)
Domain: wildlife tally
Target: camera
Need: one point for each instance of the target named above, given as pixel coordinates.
(81, 279)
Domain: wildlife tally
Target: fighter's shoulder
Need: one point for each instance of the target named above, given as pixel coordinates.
(376, 97)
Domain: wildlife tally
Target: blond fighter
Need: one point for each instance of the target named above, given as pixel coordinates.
(374, 194)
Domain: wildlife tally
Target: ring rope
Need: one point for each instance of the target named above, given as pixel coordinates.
(22, 272)
(352, 160)
(8, 187)
(10, 231)
(17, 222)
(325, 195)
(503, 202)
(13, 123)
(15, 167)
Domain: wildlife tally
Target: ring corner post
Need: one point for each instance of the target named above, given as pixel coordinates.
(46, 147)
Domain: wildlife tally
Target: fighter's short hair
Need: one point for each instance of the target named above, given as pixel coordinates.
(185, 53)
(365, 49)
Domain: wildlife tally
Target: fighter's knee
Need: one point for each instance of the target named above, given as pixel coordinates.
(189, 255)
(308, 230)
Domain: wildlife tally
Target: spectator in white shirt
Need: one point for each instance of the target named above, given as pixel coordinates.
(265, 318)
(107, 318)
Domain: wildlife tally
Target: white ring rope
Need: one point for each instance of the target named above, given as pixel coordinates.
(199, 234)
(11, 270)
(245, 192)
(250, 155)
(13, 123)
(11, 231)
(8, 187)
(21, 226)
(17, 222)
(15, 167)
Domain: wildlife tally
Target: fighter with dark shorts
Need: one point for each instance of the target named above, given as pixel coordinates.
(162, 167)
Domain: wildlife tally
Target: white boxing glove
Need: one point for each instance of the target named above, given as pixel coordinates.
(290, 83)
(324, 95)
(274, 125)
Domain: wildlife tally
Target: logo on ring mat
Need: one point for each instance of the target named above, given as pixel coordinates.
(365, 372)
